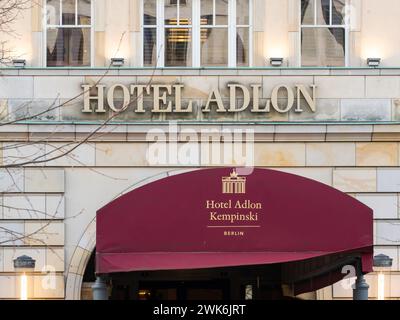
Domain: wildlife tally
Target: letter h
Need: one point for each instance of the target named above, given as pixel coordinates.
(99, 98)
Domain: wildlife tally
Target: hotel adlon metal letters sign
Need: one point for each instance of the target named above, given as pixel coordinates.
(168, 99)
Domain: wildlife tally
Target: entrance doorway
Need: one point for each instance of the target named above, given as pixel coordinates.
(233, 283)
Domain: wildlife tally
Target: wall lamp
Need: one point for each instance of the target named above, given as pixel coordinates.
(24, 265)
(19, 63)
(117, 62)
(374, 62)
(382, 263)
(276, 62)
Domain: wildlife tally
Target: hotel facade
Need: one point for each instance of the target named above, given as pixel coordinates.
(200, 149)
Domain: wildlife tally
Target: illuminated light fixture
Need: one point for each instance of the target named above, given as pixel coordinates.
(276, 62)
(19, 63)
(117, 62)
(382, 263)
(374, 62)
(24, 265)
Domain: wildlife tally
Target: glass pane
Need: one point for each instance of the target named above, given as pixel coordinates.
(149, 47)
(323, 12)
(185, 12)
(214, 47)
(323, 47)
(68, 12)
(242, 9)
(150, 12)
(207, 7)
(178, 47)
(242, 47)
(221, 12)
(307, 11)
(338, 8)
(84, 12)
(68, 47)
(53, 12)
(171, 12)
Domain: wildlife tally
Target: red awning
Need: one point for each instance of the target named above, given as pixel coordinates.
(209, 219)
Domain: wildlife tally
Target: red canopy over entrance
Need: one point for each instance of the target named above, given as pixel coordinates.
(213, 218)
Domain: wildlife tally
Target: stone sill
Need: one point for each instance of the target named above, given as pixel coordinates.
(266, 71)
(262, 133)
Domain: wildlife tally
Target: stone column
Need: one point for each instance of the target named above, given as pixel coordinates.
(99, 289)
(360, 290)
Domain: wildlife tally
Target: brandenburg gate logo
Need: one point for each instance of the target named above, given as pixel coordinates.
(234, 184)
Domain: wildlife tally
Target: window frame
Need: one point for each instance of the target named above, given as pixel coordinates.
(344, 26)
(61, 26)
(196, 35)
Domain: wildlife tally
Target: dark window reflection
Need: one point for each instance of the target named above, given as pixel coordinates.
(178, 47)
(68, 47)
(149, 46)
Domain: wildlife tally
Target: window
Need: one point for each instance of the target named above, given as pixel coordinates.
(323, 33)
(178, 33)
(68, 33)
(196, 33)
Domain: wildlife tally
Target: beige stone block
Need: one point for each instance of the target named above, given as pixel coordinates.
(258, 53)
(355, 180)
(44, 180)
(377, 154)
(121, 154)
(387, 232)
(44, 233)
(221, 154)
(11, 180)
(198, 87)
(270, 82)
(79, 261)
(330, 154)
(54, 87)
(1, 259)
(293, 13)
(55, 206)
(49, 286)
(224, 81)
(134, 8)
(38, 254)
(8, 288)
(55, 258)
(4, 110)
(258, 15)
(100, 58)
(395, 286)
(340, 87)
(73, 282)
(382, 87)
(294, 49)
(37, 20)
(388, 180)
(16, 87)
(11, 233)
(24, 207)
(279, 154)
(88, 239)
(385, 206)
(323, 175)
(23, 154)
(100, 14)
(70, 155)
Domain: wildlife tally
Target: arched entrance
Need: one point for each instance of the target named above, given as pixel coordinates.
(276, 233)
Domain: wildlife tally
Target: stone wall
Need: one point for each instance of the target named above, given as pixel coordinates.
(351, 143)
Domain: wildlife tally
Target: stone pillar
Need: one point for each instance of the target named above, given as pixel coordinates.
(360, 290)
(99, 289)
